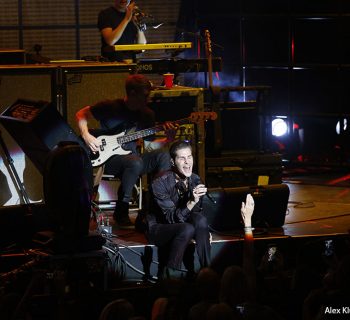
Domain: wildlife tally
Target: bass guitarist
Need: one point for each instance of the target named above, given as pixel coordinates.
(120, 115)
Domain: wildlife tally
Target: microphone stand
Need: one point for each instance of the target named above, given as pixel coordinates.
(13, 172)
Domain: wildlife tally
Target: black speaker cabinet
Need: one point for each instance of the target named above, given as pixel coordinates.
(27, 82)
(240, 169)
(37, 127)
(12, 56)
(271, 203)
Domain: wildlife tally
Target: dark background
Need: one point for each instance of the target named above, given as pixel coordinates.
(299, 48)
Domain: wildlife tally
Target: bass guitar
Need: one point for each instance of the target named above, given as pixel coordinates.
(110, 145)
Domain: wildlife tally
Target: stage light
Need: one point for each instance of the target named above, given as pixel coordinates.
(279, 127)
(340, 123)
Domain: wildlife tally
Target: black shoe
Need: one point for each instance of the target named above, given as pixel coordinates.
(121, 215)
(124, 223)
(141, 222)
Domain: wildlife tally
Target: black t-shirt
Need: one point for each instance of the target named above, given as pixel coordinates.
(114, 117)
(111, 18)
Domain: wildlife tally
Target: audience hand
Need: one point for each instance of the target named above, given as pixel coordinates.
(247, 210)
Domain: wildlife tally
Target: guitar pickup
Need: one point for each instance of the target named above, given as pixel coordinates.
(103, 144)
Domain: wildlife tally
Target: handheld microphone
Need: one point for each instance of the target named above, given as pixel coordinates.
(210, 198)
(197, 182)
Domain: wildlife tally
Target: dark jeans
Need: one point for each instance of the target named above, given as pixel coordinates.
(129, 167)
(173, 240)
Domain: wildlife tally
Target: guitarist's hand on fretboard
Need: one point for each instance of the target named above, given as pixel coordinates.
(91, 141)
(170, 129)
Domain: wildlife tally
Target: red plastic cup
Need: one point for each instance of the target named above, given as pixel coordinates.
(168, 80)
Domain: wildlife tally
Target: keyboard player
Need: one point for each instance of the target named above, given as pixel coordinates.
(118, 26)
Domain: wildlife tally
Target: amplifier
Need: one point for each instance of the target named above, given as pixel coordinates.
(244, 169)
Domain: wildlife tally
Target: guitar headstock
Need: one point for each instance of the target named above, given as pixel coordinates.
(203, 116)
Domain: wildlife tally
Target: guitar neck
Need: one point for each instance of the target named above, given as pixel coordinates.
(146, 132)
(209, 57)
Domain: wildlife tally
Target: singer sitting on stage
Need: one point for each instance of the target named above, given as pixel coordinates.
(175, 216)
(118, 25)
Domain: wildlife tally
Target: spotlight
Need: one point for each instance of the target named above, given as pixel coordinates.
(279, 127)
(341, 123)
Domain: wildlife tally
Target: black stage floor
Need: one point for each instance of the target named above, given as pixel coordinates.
(313, 210)
(317, 209)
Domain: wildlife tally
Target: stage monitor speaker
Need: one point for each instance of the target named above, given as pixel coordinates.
(33, 82)
(87, 86)
(37, 127)
(271, 203)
